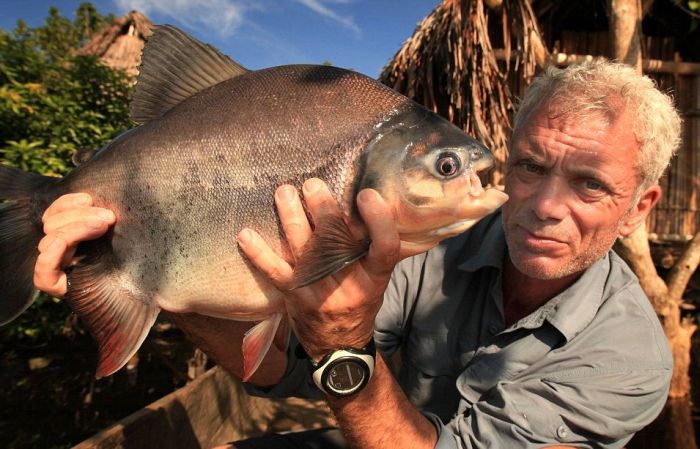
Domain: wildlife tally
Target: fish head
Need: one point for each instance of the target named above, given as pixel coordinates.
(428, 170)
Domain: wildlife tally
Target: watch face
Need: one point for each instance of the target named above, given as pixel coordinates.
(345, 375)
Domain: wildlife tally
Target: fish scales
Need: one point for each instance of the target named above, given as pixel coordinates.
(171, 176)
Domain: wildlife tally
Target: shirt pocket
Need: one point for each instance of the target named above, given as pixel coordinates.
(428, 352)
(428, 373)
(494, 363)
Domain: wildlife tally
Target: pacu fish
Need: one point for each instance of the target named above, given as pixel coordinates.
(214, 141)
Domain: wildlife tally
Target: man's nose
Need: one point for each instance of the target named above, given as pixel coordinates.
(549, 201)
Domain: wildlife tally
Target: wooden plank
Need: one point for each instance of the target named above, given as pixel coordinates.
(213, 409)
(648, 65)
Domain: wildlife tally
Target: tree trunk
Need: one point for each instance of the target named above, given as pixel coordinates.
(674, 428)
(625, 22)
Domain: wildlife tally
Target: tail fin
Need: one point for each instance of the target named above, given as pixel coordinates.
(20, 232)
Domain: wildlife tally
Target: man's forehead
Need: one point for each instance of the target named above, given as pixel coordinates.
(546, 134)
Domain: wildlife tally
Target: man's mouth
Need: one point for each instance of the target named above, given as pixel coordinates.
(542, 238)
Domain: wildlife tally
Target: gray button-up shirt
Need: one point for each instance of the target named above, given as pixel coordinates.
(588, 368)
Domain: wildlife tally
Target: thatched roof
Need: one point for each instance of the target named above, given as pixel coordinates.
(119, 44)
(450, 66)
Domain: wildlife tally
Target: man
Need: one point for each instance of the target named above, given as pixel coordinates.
(526, 331)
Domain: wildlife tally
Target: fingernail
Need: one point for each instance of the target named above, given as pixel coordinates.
(312, 186)
(107, 215)
(82, 200)
(95, 223)
(367, 196)
(286, 193)
(244, 237)
(53, 245)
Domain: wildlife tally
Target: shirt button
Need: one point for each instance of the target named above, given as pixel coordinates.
(562, 432)
(493, 328)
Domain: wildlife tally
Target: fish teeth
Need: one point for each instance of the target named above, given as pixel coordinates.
(476, 188)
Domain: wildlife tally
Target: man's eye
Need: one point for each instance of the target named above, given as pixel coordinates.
(593, 185)
(532, 168)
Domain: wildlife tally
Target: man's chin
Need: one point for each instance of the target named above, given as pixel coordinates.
(543, 268)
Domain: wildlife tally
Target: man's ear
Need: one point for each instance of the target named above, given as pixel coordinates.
(639, 213)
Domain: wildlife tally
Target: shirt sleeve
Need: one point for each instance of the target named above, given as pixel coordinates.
(600, 409)
(296, 381)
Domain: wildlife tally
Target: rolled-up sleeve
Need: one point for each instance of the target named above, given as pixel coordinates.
(296, 381)
(589, 409)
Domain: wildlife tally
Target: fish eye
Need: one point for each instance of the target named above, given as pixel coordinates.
(447, 164)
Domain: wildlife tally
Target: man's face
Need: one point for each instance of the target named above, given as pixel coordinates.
(571, 184)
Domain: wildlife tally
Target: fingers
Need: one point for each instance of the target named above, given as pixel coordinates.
(48, 272)
(67, 221)
(381, 223)
(264, 258)
(318, 199)
(93, 217)
(68, 201)
(293, 217)
(56, 251)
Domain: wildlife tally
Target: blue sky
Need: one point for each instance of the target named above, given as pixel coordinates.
(358, 34)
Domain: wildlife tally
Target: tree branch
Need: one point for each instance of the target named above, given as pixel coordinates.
(683, 269)
(635, 250)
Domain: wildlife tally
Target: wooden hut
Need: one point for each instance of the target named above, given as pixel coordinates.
(120, 43)
(497, 45)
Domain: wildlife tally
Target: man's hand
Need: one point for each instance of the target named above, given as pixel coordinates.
(70, 220)
(339, 310)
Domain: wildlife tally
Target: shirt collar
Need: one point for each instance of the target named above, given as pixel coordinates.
(574, 308)
(490, 242)
(570, 311)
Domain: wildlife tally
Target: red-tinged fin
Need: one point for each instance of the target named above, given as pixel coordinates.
(23, 198)
(256, 343)
(331, 248)
(283, 335)
(175, 66)
(118, 318)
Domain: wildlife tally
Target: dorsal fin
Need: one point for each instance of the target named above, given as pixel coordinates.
(83, 155)
(175, 66)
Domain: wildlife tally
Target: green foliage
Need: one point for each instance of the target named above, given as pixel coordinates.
(54, 102)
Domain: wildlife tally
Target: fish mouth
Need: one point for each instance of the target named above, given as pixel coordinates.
(479, 181)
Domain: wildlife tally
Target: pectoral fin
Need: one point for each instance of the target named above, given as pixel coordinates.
(256, 343)
(331, 248)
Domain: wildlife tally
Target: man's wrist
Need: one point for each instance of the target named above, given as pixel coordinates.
(321, 344)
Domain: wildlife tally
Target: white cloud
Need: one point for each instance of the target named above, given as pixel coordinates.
(320, 7)
(221, 16)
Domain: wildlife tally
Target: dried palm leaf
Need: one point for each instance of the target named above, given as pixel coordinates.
(450, 66)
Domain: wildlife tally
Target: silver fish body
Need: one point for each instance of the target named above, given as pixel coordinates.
(186, 181)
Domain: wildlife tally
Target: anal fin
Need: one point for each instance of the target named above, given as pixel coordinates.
(118, 318)
(257, 342)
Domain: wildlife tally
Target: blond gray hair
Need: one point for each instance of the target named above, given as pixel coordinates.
(612, 89)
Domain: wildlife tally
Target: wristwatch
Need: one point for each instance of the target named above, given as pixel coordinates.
(345, 371)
